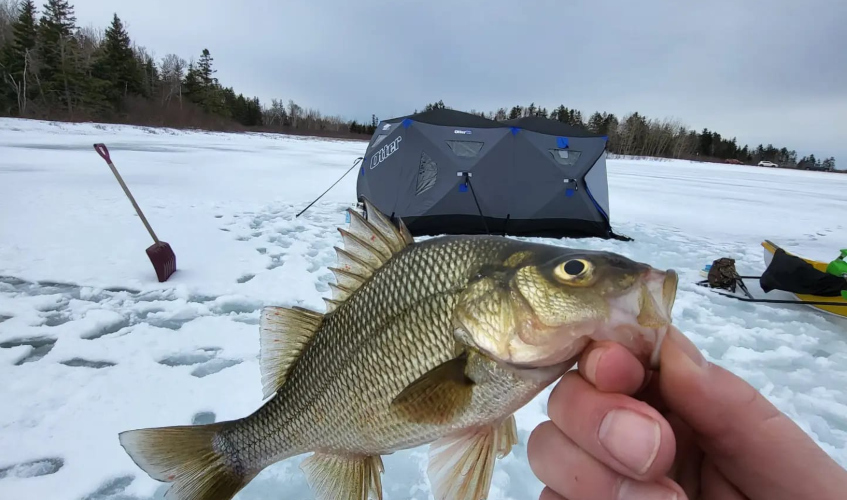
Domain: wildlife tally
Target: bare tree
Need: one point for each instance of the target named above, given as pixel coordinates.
(173, 71)
(89, 40)
(294, 112)
(275, 114)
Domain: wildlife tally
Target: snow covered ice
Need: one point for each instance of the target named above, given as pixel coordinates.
(91, 344)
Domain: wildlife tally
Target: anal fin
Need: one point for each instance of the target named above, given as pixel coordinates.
(336, 477)
(461, 465)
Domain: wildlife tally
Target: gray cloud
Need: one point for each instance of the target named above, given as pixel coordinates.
(762, 71)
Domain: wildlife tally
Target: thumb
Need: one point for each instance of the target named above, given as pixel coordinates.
(754, 445)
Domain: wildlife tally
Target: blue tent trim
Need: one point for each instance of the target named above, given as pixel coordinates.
(562, 142)
(407, 123)
(515, 130)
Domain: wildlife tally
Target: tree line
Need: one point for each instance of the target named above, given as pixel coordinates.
(637, 135)
(52, 69)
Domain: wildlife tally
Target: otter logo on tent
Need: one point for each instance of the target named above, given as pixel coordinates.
(463, 132)
(386, 151)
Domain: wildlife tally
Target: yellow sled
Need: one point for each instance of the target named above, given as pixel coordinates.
(839, 307)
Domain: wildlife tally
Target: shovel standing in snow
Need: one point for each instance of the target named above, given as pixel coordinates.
(160, 253)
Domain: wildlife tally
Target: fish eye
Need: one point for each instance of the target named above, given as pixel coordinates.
(574, 270)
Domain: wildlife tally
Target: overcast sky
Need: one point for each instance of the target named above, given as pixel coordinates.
(770, 71)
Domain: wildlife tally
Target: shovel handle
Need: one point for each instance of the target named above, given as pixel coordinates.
(103, 151)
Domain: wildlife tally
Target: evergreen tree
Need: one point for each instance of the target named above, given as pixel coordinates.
(204, 67)
(595, 123)
(193, 87)
(16, 57)
(829, 164)
(561, 114)
(575, 118)
(435, 105)
(203, 88)
(59, 72)
(117, 64)
(704, 146)
(24, 38)
(151, 77)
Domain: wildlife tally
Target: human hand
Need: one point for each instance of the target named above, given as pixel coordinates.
(690, 431)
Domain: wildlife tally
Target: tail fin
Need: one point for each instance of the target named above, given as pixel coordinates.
(188, 457)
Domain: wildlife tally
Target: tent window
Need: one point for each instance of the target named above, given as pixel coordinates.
(567, 157)
(379, 138)
(465, 149)
(427, 173)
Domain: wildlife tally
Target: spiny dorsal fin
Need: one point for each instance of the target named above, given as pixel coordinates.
(283, 333)
(368, 245)
(331, 305)
(397, 236)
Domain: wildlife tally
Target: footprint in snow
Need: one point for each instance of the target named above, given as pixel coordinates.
(203, 418)
(85, 363)
(106, 329)
(112, 489)
(56, 318)
(186, 359)
(206, 361)
(214, 366)
(40, 347)
(276, 261)
(33, 468)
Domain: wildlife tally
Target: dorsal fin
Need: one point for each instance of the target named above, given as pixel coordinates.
(284, 333)
(368, 245)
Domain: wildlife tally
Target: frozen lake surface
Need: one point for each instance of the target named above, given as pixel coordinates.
(91, 344)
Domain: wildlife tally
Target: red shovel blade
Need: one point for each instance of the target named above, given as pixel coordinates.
(163, 259)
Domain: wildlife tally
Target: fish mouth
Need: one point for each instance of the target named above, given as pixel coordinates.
(657, 297)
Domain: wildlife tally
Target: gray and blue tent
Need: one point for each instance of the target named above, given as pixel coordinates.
(448, 172)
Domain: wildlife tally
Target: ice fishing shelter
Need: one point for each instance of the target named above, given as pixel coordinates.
(449, 172)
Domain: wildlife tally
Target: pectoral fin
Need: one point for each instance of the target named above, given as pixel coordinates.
(438, 395)
(461, 465)
(334, 477)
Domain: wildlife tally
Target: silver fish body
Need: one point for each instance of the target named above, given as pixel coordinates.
(438, 341)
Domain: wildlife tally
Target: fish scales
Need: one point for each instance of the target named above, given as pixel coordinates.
(393, 330)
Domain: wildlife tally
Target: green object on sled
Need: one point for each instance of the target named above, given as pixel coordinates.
(838, 267)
